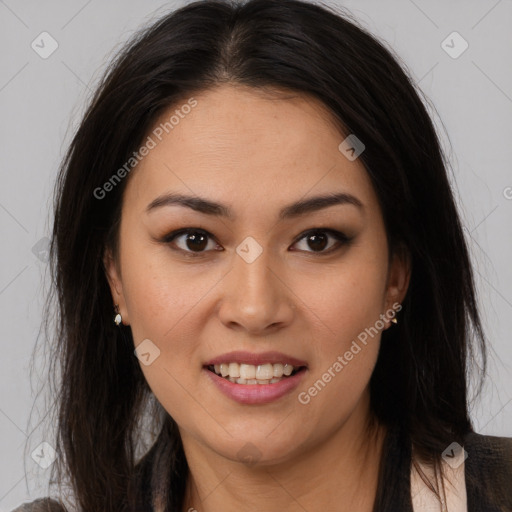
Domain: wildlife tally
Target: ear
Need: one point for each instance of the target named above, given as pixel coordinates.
(113, 275)
(399, 275)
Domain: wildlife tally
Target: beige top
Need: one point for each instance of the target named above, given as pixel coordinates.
(424, 500)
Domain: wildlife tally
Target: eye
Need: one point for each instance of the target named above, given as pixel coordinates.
(318, 239)
(195, 240)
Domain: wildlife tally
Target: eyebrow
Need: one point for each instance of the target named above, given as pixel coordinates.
(293, 210)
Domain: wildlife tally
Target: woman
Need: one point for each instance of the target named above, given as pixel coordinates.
(278, 375)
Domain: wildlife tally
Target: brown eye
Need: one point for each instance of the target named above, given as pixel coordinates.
(195, 241)
(318, 239)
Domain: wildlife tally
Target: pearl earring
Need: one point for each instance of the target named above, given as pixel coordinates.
(117, 319)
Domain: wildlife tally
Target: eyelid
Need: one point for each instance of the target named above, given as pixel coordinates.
(341, 237)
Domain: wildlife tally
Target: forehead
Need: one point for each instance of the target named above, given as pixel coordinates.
(239, 144)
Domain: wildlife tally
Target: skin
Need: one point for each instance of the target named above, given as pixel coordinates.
(257, 153)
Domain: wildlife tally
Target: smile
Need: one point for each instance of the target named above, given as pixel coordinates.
(250, 374)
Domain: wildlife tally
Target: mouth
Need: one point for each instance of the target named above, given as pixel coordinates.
(250, 374)
(251, 378)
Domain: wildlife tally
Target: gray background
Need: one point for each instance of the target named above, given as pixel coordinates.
(41, 101)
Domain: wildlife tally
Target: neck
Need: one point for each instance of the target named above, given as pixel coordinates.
(340, 473)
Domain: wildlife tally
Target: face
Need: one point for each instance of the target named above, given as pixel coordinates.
(255, 282)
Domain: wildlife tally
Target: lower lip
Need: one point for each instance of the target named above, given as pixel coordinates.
(256, 393)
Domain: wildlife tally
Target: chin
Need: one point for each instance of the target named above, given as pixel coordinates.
(257, 449)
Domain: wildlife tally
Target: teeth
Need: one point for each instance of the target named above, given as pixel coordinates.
(264, 372)
(234, 370)
(247, 371)
(287, 370)
(251, 374)
(278, 370)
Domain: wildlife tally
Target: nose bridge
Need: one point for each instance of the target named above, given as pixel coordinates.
(253, 274)
(255, 298)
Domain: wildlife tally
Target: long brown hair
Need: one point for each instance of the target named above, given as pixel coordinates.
(419, 382)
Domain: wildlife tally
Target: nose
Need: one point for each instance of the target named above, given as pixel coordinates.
(255, 296)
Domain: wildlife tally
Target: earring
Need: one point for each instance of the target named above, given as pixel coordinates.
(394, 320)
(117, 319)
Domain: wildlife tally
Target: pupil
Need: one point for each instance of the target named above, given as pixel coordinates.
(198, 239)
(316, 239)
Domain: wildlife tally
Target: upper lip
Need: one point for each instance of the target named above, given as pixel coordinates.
(243, 357)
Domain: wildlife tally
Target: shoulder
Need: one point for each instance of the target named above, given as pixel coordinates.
(481, 439)
(41, 505)
(492, 451)
(488, 468)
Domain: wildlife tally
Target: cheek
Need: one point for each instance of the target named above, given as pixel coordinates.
(345, 306)
(346, 343)
(157, 296)
(348, 298)
(161, 305)
(167, 304)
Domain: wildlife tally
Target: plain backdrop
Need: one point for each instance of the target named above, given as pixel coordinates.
(41, 100)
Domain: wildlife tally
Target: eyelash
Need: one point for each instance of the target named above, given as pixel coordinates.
(338, 235)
